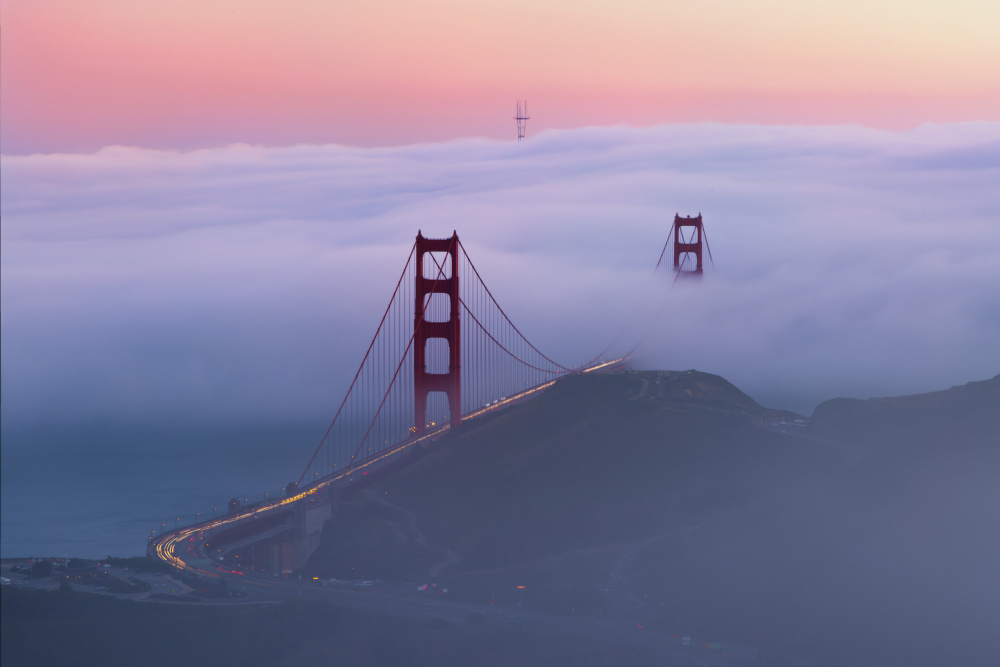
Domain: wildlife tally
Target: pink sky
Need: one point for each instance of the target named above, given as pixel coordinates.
(77, 76)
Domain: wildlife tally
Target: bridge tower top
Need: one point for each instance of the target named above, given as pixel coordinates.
(688, 243)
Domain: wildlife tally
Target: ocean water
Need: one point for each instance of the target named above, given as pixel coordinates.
(98, 491)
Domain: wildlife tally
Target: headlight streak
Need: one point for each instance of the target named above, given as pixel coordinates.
(165, 545)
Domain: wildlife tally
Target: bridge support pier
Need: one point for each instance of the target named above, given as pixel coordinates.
(310, 516)
(278, 542)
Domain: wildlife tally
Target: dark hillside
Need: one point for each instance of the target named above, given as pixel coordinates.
(673, 500)
(596, 460)
(550, 492)
(895, 561)
(922, 446)
(967, 416)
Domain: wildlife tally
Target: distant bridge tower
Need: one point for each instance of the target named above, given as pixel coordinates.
(690, 243)
(443, 281)
(522, 119)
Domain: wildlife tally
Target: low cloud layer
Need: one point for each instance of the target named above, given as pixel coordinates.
(243, 283)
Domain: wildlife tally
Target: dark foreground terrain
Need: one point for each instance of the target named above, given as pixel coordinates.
(866, 535)
(665, 504)
(84, 630)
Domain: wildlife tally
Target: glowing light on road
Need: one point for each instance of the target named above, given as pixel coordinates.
(165, 546)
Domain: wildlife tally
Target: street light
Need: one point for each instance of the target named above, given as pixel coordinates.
(162, 526)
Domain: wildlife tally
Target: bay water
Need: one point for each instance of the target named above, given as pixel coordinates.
(95, 491)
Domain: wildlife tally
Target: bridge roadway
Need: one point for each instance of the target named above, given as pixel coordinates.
(163, 546)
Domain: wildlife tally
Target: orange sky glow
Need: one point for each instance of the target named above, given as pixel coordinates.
(77, 76)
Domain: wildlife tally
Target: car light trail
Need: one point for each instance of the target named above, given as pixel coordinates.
(165, 546)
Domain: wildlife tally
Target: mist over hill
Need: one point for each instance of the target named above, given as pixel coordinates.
(864, 535)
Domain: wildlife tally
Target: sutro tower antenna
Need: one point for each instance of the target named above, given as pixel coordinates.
(521, 118)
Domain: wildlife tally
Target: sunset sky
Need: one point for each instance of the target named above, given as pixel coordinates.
(80, 75)
(185, 184)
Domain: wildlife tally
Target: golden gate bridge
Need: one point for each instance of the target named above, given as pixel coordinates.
(444, 351)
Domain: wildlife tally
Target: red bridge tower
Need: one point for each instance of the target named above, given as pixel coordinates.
(443, 281)
(688, 244)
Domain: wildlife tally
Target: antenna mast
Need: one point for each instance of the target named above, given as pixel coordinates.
(521, 118)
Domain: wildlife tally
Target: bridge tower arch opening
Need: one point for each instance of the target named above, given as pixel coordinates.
(430, 281)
